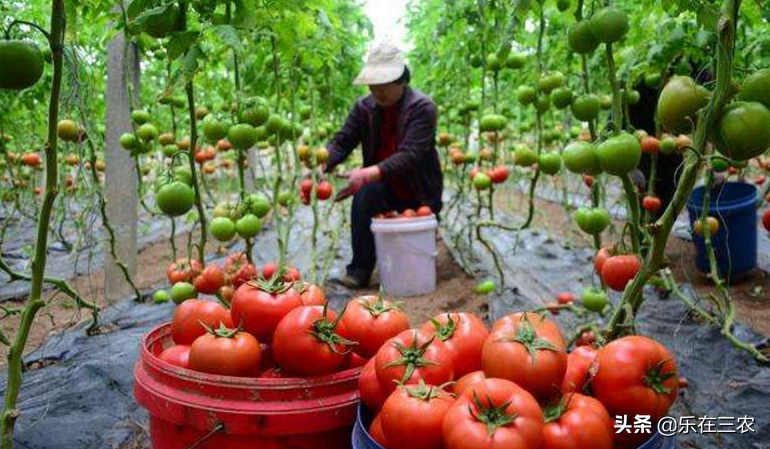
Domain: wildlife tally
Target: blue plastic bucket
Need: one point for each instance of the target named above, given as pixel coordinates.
(362, 440)
(735, 245)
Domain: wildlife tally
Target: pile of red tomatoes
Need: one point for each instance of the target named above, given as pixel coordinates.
(452, 384)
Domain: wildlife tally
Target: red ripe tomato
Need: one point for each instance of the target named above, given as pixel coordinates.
(191, 316)
(223, 145)
(464, 335)
(228, 352)
(529, 353)
(588, 181)
(391, 214)
(759, 180)
(31, 159)
(412, 356)
(312, 295)
(577, 421)
(468, 381)
(183, 270)
(324, 190)
(494, 414)
(499, 174)
(354, 360)
(371, 321)
(292, 275)
(650, 145)
(238, 270)
(565, 298)
(412, 417)
(635, 375)
(259, 306)
(578, 363)
(177, 355)
(539, 321)
(424, 211)
(409, 213)
(375, 431)
(651, 204)
(617, 271)
(210, 280)
(733, 170)
(587, 338)
(372, 393)
(601, 257)
(305, 187)
(766, 220)
(473, 172)
(226, 292)
(268, 270)
(309, 341)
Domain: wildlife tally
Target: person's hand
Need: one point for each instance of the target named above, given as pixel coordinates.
(357, 179)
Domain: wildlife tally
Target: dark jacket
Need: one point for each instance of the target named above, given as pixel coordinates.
(415, 162)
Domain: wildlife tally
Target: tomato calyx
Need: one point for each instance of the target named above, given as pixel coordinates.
(325, 330)
(222, 331)
(527, 337)
(423, 391)
(493, 417)
(412, 357)
(445, 331)
(274, 285)
(655, 378)
(553, 412)
(378, 307)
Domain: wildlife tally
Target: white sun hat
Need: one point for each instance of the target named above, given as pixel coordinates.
(384, 64)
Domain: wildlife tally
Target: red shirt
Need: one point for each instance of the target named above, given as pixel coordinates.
(389, 145)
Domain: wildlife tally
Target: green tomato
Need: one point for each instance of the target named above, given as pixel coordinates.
(667, 145)
(757, 88)
(493, 62)
(248, 226)
(516, 61)
(719, 164)
(470, 157)
(605, 102)
(169, 150)
(743, 131)
(586, 107)
(222, 209)
(285, 198)
(182, 173)
(242, 136)
(140, 116)
(652, 80)
(542, 104)
(562, 5)
(620, 154)
(550, 163)
(182, 291)
(147, 132)
(161, 296)
(592, 220)
(580, 157)
(481, 181)
(213, 129)
(551, 81)
(580, 38)
(259, 205)
(223, 229)
(561, 97)
(524, 156)
(609, 24)
(485, 287)
(175, 198)
(254, 115)
(632, 96)
(128, 141)
(594, 299)
(492, 122)
(526, 94)
(679, 103)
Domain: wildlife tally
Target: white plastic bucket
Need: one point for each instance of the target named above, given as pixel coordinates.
(406, 254)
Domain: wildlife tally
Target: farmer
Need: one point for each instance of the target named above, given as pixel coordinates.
(396, 128)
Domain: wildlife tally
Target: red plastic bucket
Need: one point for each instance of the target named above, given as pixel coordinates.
(189, 409)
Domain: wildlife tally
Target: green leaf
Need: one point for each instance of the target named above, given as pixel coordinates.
(136, 7)
(229, 35)
(158, 11)
(185, 72)
(180, 42)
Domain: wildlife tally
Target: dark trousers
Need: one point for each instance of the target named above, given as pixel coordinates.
(373, 199)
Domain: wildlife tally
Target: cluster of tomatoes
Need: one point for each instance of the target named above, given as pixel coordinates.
(323, 190)
(422, 211)
(482, 180)
(453, 384)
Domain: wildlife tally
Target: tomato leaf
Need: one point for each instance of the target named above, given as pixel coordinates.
(179, 43)
(229, 35)
(186, 70)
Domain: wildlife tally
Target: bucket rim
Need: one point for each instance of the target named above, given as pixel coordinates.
(724, 206)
